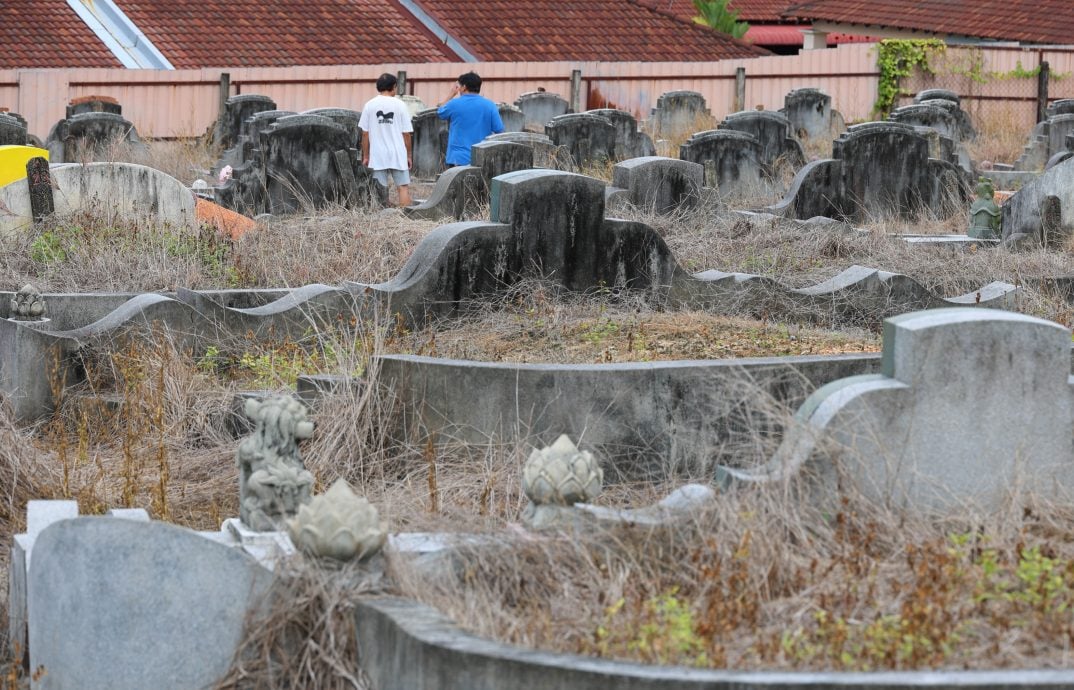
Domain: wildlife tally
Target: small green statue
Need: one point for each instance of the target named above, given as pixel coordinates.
(985, 214)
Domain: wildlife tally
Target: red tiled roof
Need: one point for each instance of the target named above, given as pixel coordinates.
(47, 34)
(610, 30)
(1039, 21)
(753, 11)
(280, 33)
(791, 35)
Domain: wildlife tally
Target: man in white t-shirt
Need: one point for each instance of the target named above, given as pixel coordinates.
(386, 137)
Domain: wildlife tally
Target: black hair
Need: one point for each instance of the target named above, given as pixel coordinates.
(386, 82)
(471, 81)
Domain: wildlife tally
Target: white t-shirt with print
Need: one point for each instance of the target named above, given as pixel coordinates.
(386, 119)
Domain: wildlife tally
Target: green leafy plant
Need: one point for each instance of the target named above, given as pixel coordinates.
(896, 59)
(716, 15)
(597, 332)
(53, 246)
(665, 632)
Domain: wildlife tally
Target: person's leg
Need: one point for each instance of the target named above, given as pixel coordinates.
(402, 183)
(381, 176)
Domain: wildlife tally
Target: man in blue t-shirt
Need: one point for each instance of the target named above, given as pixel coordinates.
(471, 117)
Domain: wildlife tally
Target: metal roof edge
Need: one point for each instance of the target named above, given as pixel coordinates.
(119, 34)
(440, 32)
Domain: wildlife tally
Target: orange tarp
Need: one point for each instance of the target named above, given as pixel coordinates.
(224, 220)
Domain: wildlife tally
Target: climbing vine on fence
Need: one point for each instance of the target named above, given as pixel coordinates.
(897, 58)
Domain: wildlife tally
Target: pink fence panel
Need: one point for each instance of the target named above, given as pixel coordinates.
(184, 103)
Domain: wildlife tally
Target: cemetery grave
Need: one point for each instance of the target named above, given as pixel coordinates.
(573, 409)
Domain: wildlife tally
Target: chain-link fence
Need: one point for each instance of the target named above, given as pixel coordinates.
(1004, 90)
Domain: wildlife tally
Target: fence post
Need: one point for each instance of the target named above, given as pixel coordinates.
(225, 91)
(401, 86)
(1042, 91)
(740, 90)
(576, 91)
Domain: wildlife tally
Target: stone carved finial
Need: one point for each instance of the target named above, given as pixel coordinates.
(273, 482)
(561, 475)
(28, 304)
(338, 524)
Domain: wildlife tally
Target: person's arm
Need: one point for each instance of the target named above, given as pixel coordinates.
(442, 110)
(497, 121)
(407, 137)
(365, 148)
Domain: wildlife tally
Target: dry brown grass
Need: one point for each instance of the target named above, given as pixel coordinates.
(668, 142)
(759, 580)
(764, 581)
(1001, 134)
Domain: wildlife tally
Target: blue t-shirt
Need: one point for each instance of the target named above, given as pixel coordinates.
(471, 117)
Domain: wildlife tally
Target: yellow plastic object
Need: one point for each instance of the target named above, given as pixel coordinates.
(13, 160)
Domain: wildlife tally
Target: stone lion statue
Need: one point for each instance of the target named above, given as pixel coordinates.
(273, 482)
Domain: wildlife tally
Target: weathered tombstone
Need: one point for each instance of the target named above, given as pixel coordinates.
(236, 110)
(93, 104)
(345, 118)
(40, 181)
(773, 131)
(883, 168)
(12, 132)
(1053, 234)
(543, 149)
(496, 158)
(588, 138)
(514, 120)
(121, 604)
(941, 94)
(125, 191)
(413, 104)
(678, 112)
(541, 106)
(878, 170)
(1064, 106)
(90, 136)
(1044, 207)
(913, 437)
(430, 143)
(558, 228)
(1059, 127)
(662, 184)
(19, 118)
(932, 116)
(931, 96)
(299, 158)
(737, 160)
(809, 112)
(249, 138)
(629, 142)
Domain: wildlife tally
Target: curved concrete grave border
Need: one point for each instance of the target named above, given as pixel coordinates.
(406, 645)
(641, 416)
(545, 223)
(921, 435)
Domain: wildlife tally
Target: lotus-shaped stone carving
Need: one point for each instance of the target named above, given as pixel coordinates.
(338, 524)
(561, 475)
